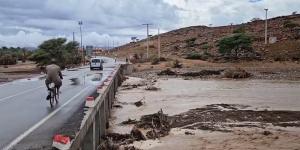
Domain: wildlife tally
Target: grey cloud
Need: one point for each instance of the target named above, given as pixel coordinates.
(104, 17)
(36, 20)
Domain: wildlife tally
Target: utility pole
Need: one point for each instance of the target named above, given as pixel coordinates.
(158, 43)
(81, 47)
(73, 37)
(266, 27)
(147, 24)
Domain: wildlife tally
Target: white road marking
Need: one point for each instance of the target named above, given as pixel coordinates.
(5, 98)
(30, 130)
(29, 90)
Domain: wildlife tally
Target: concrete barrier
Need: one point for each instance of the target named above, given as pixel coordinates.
(96, 122)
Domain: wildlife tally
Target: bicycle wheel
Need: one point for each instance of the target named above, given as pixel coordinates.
(52, 97)
(56, 95)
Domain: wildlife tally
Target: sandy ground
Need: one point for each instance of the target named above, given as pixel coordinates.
(19, 71)
(177, 96)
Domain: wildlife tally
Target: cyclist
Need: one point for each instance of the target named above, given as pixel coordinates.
(54, 75)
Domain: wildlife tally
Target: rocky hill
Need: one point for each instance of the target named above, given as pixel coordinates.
(199, 39)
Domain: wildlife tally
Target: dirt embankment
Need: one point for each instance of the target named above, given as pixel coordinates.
(206, 70)
(19, 71)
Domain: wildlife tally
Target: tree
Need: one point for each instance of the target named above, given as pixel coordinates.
(234, 44)
(64, 53)
(290, 24)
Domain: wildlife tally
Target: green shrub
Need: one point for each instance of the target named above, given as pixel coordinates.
(193, 56)
(177, 64)
(155, 61)
(190, 42)
(290, 24)
(162, 59)
(8, 59)
(234, 44)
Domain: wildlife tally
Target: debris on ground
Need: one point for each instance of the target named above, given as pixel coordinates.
(137, 135)
(158, 123)
(117, 106)
(177, 64)
(168, 71)
(223, 117)
(129, 121)
(188, 133)
(202, 73)
(138, 103)
(132, 83)
(116, 141)
(236, 73)
(155, 126)
(266, 133)
(152, 88)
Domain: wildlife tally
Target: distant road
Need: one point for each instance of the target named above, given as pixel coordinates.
(26, 118)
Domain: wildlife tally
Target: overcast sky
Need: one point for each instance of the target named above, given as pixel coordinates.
(26, 23)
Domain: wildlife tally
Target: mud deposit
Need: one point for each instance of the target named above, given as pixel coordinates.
(205, 114)
(222, 117)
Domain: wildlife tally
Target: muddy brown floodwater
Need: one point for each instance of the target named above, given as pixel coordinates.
(213, 114)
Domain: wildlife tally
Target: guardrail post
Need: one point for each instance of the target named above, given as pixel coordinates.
(97, 129)
(94, 128)
(102, 120)
(89, 140)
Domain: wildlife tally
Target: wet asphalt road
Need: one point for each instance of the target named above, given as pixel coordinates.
(26, 118)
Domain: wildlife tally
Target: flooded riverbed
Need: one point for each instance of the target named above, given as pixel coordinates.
(176, 96)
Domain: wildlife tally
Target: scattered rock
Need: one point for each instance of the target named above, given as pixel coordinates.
(266, 133)
(117, 106)
(152, 88)
(138, 103)
(188, 133)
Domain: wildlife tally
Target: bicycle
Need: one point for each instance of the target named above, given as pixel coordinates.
(54, 94)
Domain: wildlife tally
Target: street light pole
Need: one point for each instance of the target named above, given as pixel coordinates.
(81, 47)
(73, 37)
(266, 27)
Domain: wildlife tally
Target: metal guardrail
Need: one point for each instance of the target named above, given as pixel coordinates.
(96, 123)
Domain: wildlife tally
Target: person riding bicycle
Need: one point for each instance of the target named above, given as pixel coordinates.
(54, 75)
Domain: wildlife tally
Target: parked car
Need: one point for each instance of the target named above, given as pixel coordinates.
(96, 63)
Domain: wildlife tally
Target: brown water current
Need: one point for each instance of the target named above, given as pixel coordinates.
(176, 96)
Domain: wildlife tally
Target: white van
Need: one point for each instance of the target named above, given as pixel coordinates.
(96, 63)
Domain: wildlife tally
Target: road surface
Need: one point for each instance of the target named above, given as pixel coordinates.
(26, 119)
